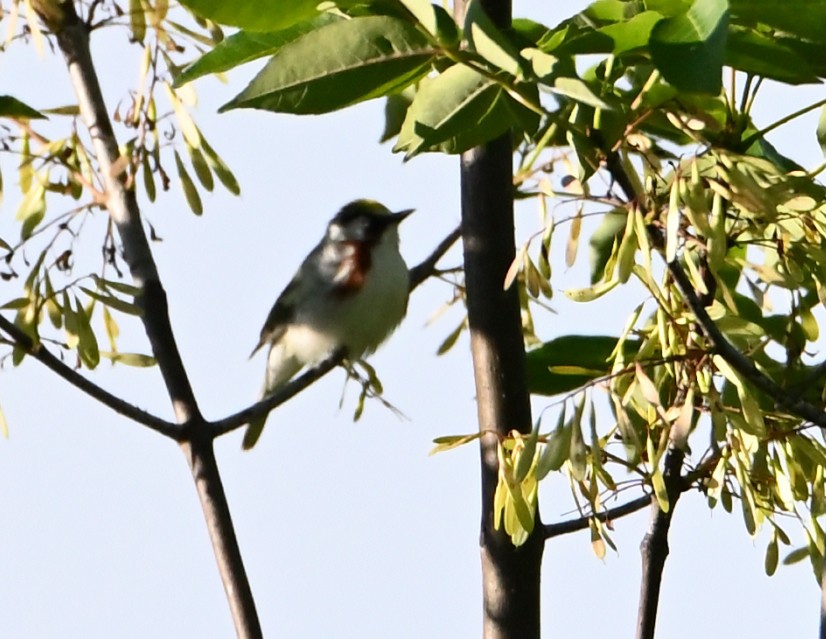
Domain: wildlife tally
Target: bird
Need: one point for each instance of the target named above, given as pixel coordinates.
(349, 294)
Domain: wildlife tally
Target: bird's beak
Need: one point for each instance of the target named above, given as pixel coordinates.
(399, 216)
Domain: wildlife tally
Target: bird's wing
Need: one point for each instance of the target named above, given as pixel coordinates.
(280, 315)
(303, 285)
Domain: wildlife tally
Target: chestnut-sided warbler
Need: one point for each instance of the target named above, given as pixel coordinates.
(349, 293)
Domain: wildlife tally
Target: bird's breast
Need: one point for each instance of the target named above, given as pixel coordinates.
(368, 301)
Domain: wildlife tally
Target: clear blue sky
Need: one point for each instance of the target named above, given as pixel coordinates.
(348, 530)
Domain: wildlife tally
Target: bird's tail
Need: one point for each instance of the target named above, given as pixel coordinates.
(254, 430)
(280, 369)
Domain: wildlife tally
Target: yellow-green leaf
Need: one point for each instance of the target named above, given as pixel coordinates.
(190, 192)
(4, 427)
(114, 302)
(573, 239)
(199, 164)
(660, 492)
(452, 441)
(591, 293)
(772, 556)
(138, 360)
(557, 448)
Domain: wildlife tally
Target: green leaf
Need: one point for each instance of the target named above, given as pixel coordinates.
(803, 18)
(689, 49)
(451, 339)
(219, 167)
(87, 345)
(137, 20)
(487, 40)
(452, 441)
(751, 51)
(821, 130)
(752, 421)
(590, 293)
(13, 108)
(567, 363)
(138, 360)
(199, 164)
(395, 111)
(797, 555)
(772, 556)
(557, 448)
(188, 186)
(17, 303)
(255, 15)
(526, 457)
(148, 179)
(32, 209)
(576, 89)
(338, 65)
(632, 34)
(435, 20)
(578, 450)
(455, 111)
(603, 239)
(113, 302)
(246, 46)
(660, 492)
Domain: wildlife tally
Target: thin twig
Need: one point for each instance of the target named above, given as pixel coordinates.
(262, 408)
(41, 354)
(737, 360)
(654, 547)
(425, 269)
(581, 523)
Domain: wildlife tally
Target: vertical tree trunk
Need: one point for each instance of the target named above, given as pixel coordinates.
(510, 576)
(654, 545)
(823, 601)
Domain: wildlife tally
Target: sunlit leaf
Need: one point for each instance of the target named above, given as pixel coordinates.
(130, 359)
(557, 448)
(188, 186)
(452, 441)
(246, 46)
(689, 48)
(337, 65)
(255, 15)
(13, 108)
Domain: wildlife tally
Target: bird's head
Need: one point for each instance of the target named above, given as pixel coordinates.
(364, 221)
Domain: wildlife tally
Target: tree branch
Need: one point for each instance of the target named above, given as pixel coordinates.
(73, 39)
(426, 267)
(575, 525)
(510, 575)
(200, 454)
(739, 362)
(77, 380)
(654, 547)
(262, 408)
(823, 601)
(783, 399)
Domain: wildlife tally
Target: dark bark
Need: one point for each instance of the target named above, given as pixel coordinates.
(823, 601)
(200, 454)
(654, 547)
(575, 525)
(510, 575)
